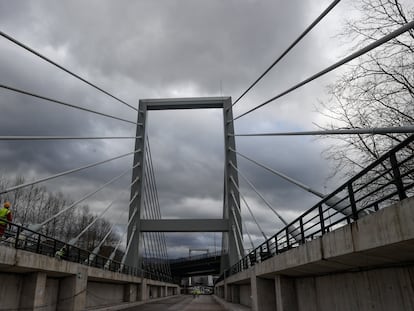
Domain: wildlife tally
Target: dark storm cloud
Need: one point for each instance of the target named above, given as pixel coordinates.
(187, 40)
(180, 243)
(152, 49)
(188, 148)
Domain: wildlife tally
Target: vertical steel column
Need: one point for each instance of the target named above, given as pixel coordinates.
(133, 257)
(230, 241)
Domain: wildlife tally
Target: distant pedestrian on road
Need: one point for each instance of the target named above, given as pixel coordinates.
(5, 216)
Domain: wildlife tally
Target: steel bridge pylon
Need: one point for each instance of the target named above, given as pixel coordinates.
(229, 224)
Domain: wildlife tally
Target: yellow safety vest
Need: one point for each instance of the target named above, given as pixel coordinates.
(3, 215)
(60, 253)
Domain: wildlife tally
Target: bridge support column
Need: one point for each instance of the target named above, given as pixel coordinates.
(33, 295)
(226, 291)
(72, 291)
(285, 293)
(142, 293)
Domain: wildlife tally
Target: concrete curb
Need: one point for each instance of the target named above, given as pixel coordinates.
(231, 306)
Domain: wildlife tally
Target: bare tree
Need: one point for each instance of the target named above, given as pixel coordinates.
(35, 204)
(375, 91)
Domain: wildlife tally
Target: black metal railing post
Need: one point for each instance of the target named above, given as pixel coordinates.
(16, 242)
(54, 248)
(302, 232)
(321, 219)
(38, 244)
(352, 201)
(276, 245)
(397, 177)
(287, 237)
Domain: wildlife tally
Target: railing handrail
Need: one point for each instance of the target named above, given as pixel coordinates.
(350, 181)
(389, 155)
(115, 266)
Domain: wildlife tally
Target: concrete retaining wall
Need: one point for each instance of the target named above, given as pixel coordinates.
(245, 295)
(102, 294)
(10, 287)
(367, 265)
(30, 281)
(170, 291)
(51, 294)
(379, 289)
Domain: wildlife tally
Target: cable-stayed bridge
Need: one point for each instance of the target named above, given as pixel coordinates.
(350, 231)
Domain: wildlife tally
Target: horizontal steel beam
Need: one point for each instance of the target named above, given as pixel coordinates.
(184, 225)
(184, 103)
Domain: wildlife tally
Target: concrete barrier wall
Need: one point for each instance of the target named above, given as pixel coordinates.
(155, 291)
(379, 289)
(30, 281)
(51, 294)
(10, 290)
(36, 291)
(102, 294)
(245, 295)
(16, 292)
(149, 294)
(367, 265)
(219, 291)
(170, 291)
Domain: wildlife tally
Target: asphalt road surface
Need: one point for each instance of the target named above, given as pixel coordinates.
(181, 303)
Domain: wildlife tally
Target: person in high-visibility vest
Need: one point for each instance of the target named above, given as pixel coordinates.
(5, 215)
(62, 253)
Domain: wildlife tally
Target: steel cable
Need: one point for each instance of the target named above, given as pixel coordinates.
(15, 41)
(62, 103)
(65, 173)
(34, 138)
(341, 62)
(304, 33)
(372, 131)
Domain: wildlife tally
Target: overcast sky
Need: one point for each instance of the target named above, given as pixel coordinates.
(163, 49)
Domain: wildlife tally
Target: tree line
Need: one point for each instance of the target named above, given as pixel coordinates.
(377, 90)
(34, 204)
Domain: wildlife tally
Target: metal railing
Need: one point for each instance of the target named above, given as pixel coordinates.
(387, 180)
(23, 238)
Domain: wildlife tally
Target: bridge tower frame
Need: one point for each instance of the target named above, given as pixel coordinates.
(229, 224)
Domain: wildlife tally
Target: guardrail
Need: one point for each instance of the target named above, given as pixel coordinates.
(23, 238)
(387, 180)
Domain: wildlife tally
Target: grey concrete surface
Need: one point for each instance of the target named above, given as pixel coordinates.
(30, 281)
(367, 265)
(104, 294)
(181, 303)
(231, 306)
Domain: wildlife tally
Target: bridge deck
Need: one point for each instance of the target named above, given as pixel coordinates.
(365, 265)
(188, 303)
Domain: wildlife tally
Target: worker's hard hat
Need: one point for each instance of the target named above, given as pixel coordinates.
(6, 204)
